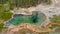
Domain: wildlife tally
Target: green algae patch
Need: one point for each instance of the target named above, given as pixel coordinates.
(5, 13)
(5, 16)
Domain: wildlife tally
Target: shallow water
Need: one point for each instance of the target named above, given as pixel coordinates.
(20, 18)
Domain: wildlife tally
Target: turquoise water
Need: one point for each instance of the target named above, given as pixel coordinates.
(20, 18)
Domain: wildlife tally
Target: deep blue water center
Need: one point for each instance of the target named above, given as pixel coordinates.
(17, 19)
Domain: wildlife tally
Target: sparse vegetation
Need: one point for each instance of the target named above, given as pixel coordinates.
(1, 27)
(55, 19)
(47, 1)
(24, 3)
(28, 3)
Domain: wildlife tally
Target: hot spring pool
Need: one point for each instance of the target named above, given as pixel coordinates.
(35, 18)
